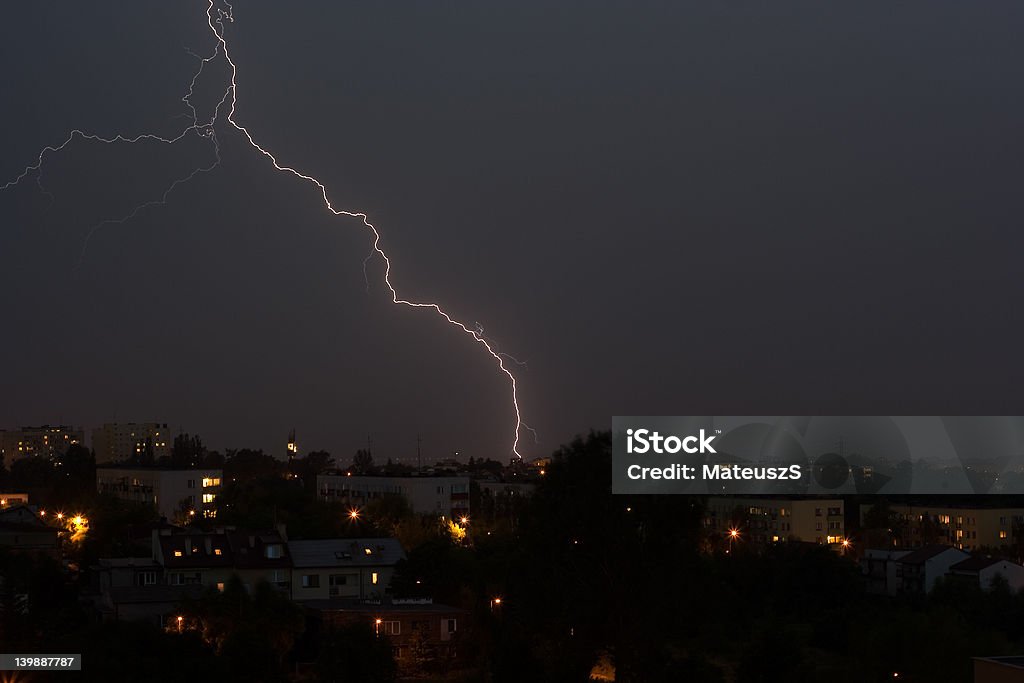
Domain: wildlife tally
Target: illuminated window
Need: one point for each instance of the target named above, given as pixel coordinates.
(220, 586)
(374, 578)
(368, 551)
(208, 497)
(218, 551)
(177, 553)
(1002, 534)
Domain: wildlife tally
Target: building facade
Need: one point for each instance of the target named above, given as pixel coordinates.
(174, 493)
(967, 528)
(776, 520)
(442, 496)
(340, 568)
(47, 441)
(118, 442)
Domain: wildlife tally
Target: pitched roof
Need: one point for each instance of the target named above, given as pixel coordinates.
(182, 551)
(346, 552)
(922, 555)
(976, 564)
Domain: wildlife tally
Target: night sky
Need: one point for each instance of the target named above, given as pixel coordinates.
(663, 207)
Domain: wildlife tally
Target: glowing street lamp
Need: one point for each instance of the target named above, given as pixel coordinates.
(353, 514)
(734, 535)
(464, 521)
(180, 619)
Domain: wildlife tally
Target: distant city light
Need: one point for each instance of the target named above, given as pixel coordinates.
(353, 513)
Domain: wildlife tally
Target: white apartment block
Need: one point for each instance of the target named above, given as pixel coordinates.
(442, 496)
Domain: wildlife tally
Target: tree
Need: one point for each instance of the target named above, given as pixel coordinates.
(354, 654)
(188, 451)
(363, 461)
(253, 632)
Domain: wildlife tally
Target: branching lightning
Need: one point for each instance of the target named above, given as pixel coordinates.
(219, 13)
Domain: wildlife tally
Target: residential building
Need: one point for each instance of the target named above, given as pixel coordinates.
(965, 527)
(879, 568)
(22, 529)
(918, 571)
(47, 441)
(118, 442)
(442, 496)
(418, 629)
(774, 520)
(343, 568)
(174, 493)
(212, 558)
(983, 571)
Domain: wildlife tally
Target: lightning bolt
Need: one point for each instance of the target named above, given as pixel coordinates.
(218, 14)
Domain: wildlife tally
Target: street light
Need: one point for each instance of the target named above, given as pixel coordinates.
(353, 514)
(734, 535)
(464, 520)
(180, 619)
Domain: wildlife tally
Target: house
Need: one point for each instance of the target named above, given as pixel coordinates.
(212, 558)
(879, 568)
(919, 570)
(152, 604)
(983, 571)
(22, 529)
(419, 630)
(343, 568)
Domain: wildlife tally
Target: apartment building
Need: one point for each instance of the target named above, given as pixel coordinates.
(442, 496)
(775, 520)
(118, 442)
(46, 441)
(965, 527)
(174, 493)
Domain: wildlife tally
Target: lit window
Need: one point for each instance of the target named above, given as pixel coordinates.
(218, 551)
(373, 578)
(177, 553)
(220, 586)
(368, 551)
(208, 497)
(1002, 534)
